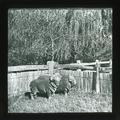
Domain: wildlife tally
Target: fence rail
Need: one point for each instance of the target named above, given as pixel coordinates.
(98, 78)
(27, 68)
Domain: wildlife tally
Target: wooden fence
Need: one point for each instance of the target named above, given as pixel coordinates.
(89, 76)
(86, 80)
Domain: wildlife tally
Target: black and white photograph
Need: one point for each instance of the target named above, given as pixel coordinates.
(59, 60)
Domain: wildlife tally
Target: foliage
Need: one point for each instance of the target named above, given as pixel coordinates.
(63, 35)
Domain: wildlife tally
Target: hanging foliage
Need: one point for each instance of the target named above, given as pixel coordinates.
(64, 35)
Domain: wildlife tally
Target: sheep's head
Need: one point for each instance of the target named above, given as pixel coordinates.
(56, 77)
(72, 80)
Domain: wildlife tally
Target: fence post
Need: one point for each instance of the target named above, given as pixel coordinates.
(79, 71)
(94, 81)
(110, 66)
(110, 63)
(110, 76)
(97, 76)
(50, 68)
(78, 61)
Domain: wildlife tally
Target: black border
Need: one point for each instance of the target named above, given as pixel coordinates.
(64, 4)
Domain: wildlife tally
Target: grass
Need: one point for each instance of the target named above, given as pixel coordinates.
(76, 101)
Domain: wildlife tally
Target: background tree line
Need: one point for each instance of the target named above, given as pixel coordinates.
(63, 35)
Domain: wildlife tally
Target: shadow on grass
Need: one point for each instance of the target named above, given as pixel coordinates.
(26, 96)
(39, 94)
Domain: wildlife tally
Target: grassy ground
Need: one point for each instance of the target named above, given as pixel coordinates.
(75, 102)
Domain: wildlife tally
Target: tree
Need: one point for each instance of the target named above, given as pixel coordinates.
(63, 35)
